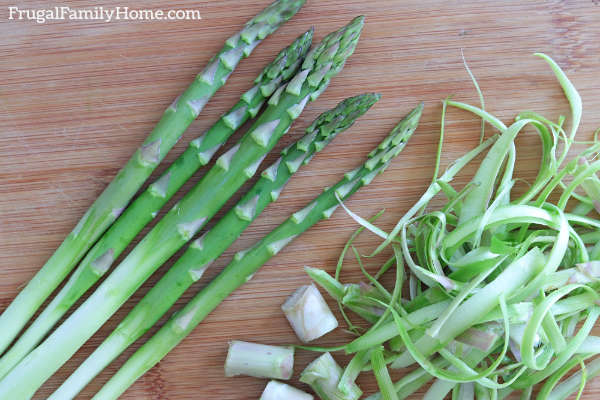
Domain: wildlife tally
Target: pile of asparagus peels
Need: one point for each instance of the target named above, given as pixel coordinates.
(297, 76)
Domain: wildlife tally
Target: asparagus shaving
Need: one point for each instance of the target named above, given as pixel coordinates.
(575, 382)
(382, 374)
(498, 284)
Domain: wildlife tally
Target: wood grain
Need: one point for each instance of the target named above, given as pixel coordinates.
(76, 98)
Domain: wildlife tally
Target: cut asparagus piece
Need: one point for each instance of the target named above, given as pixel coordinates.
(259, 360)
(200, 254)
(109, 205)
(323, 376)
(279, 391)
(240, 269)
(180, 224)
(309, 314)
(144, 208)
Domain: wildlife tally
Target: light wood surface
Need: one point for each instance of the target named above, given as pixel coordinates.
(76, 98)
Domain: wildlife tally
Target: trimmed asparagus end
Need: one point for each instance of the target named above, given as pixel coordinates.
(278, 391)
(309, 314)
(259, 360)
(323, 376)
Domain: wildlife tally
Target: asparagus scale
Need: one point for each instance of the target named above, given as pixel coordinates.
(188, 216)
(111, 203)
(246, 263)
(145, 207)
(204, 250)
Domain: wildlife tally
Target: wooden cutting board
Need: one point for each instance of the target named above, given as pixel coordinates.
(76, 98)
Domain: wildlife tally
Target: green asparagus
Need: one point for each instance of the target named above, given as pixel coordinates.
(203, 251)
(145, 207)
(246, 263)
(119, 192)
(188, 216)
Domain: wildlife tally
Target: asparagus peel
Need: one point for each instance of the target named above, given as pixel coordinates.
(110, 204)
(245, 265)
(139, 213)
(204, 250)
(187, 217)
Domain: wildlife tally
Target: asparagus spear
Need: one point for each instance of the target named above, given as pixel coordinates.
(144, 208)
(188, 216)
(200, 254)
(109, 205)
(246, 263)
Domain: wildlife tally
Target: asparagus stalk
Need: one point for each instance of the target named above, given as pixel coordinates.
(145, 207)
(188, 216)
(163, 137)
(259, 360)
(347, 381)
(568, 386)
(243, 267)
(213, 243)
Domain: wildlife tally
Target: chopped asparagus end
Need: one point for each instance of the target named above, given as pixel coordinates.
(323, 376)
(309, 314)
(278, 391)
(259, 360)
